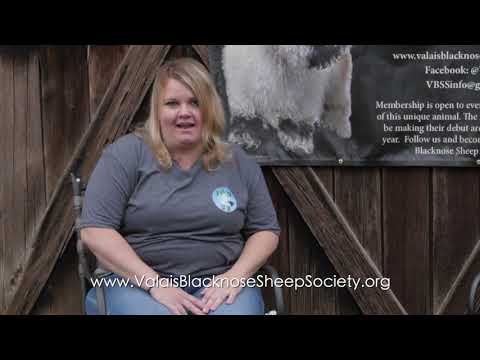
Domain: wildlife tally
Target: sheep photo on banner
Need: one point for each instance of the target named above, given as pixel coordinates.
(406, 105)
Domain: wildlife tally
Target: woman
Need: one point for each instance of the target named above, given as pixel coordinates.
(172, 200)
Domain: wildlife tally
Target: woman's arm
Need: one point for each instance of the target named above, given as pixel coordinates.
(258, 248)
(113, 251)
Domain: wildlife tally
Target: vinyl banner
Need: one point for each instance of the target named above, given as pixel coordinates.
(393, 105)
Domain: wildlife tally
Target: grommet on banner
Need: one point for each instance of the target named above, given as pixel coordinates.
(340, 161)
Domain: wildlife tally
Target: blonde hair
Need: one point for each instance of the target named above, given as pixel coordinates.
(195, 76)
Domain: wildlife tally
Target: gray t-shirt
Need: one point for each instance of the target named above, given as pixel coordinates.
(180, 222)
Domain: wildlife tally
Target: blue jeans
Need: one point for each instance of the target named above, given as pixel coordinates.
(126, 300)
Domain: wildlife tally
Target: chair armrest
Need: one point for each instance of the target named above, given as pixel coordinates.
(272, 272)
(473, 291)
(100, 292)
(101, 273)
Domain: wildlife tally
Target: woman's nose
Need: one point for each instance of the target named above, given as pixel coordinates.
(184, 110)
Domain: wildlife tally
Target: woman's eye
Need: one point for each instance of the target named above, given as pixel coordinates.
(171, 103)
(195, 102)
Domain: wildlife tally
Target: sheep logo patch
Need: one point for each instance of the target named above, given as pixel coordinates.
(224, 199)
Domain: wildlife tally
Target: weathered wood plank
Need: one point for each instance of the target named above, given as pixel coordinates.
(406, 224)
(103, 61)
(307, 258)
(36, 191)
(358, 195)
(308, 262)
(299, 248)
(64, 102)
(15, 171)
(36, 182)
(71, 114)
(6, 172)
(336, 237)
(202, 53)
(456, 208)
(2, 191)
(177, 51)
(62, 293)
(116, 111)
(64, 290)
(19, 180)
(456, 299)
(51, 68)
(280, 258)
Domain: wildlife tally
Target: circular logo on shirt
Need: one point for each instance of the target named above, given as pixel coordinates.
(224, 199)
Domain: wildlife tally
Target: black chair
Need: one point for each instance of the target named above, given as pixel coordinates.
(90, 272)
(474, 288)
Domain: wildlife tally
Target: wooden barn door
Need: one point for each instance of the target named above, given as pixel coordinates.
(418, 227)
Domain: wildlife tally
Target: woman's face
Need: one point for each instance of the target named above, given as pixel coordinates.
(180, 117)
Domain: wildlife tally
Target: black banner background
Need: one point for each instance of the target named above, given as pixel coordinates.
(409, 105)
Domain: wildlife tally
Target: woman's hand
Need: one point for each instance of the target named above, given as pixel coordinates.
(218, 291)
(178, 301)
